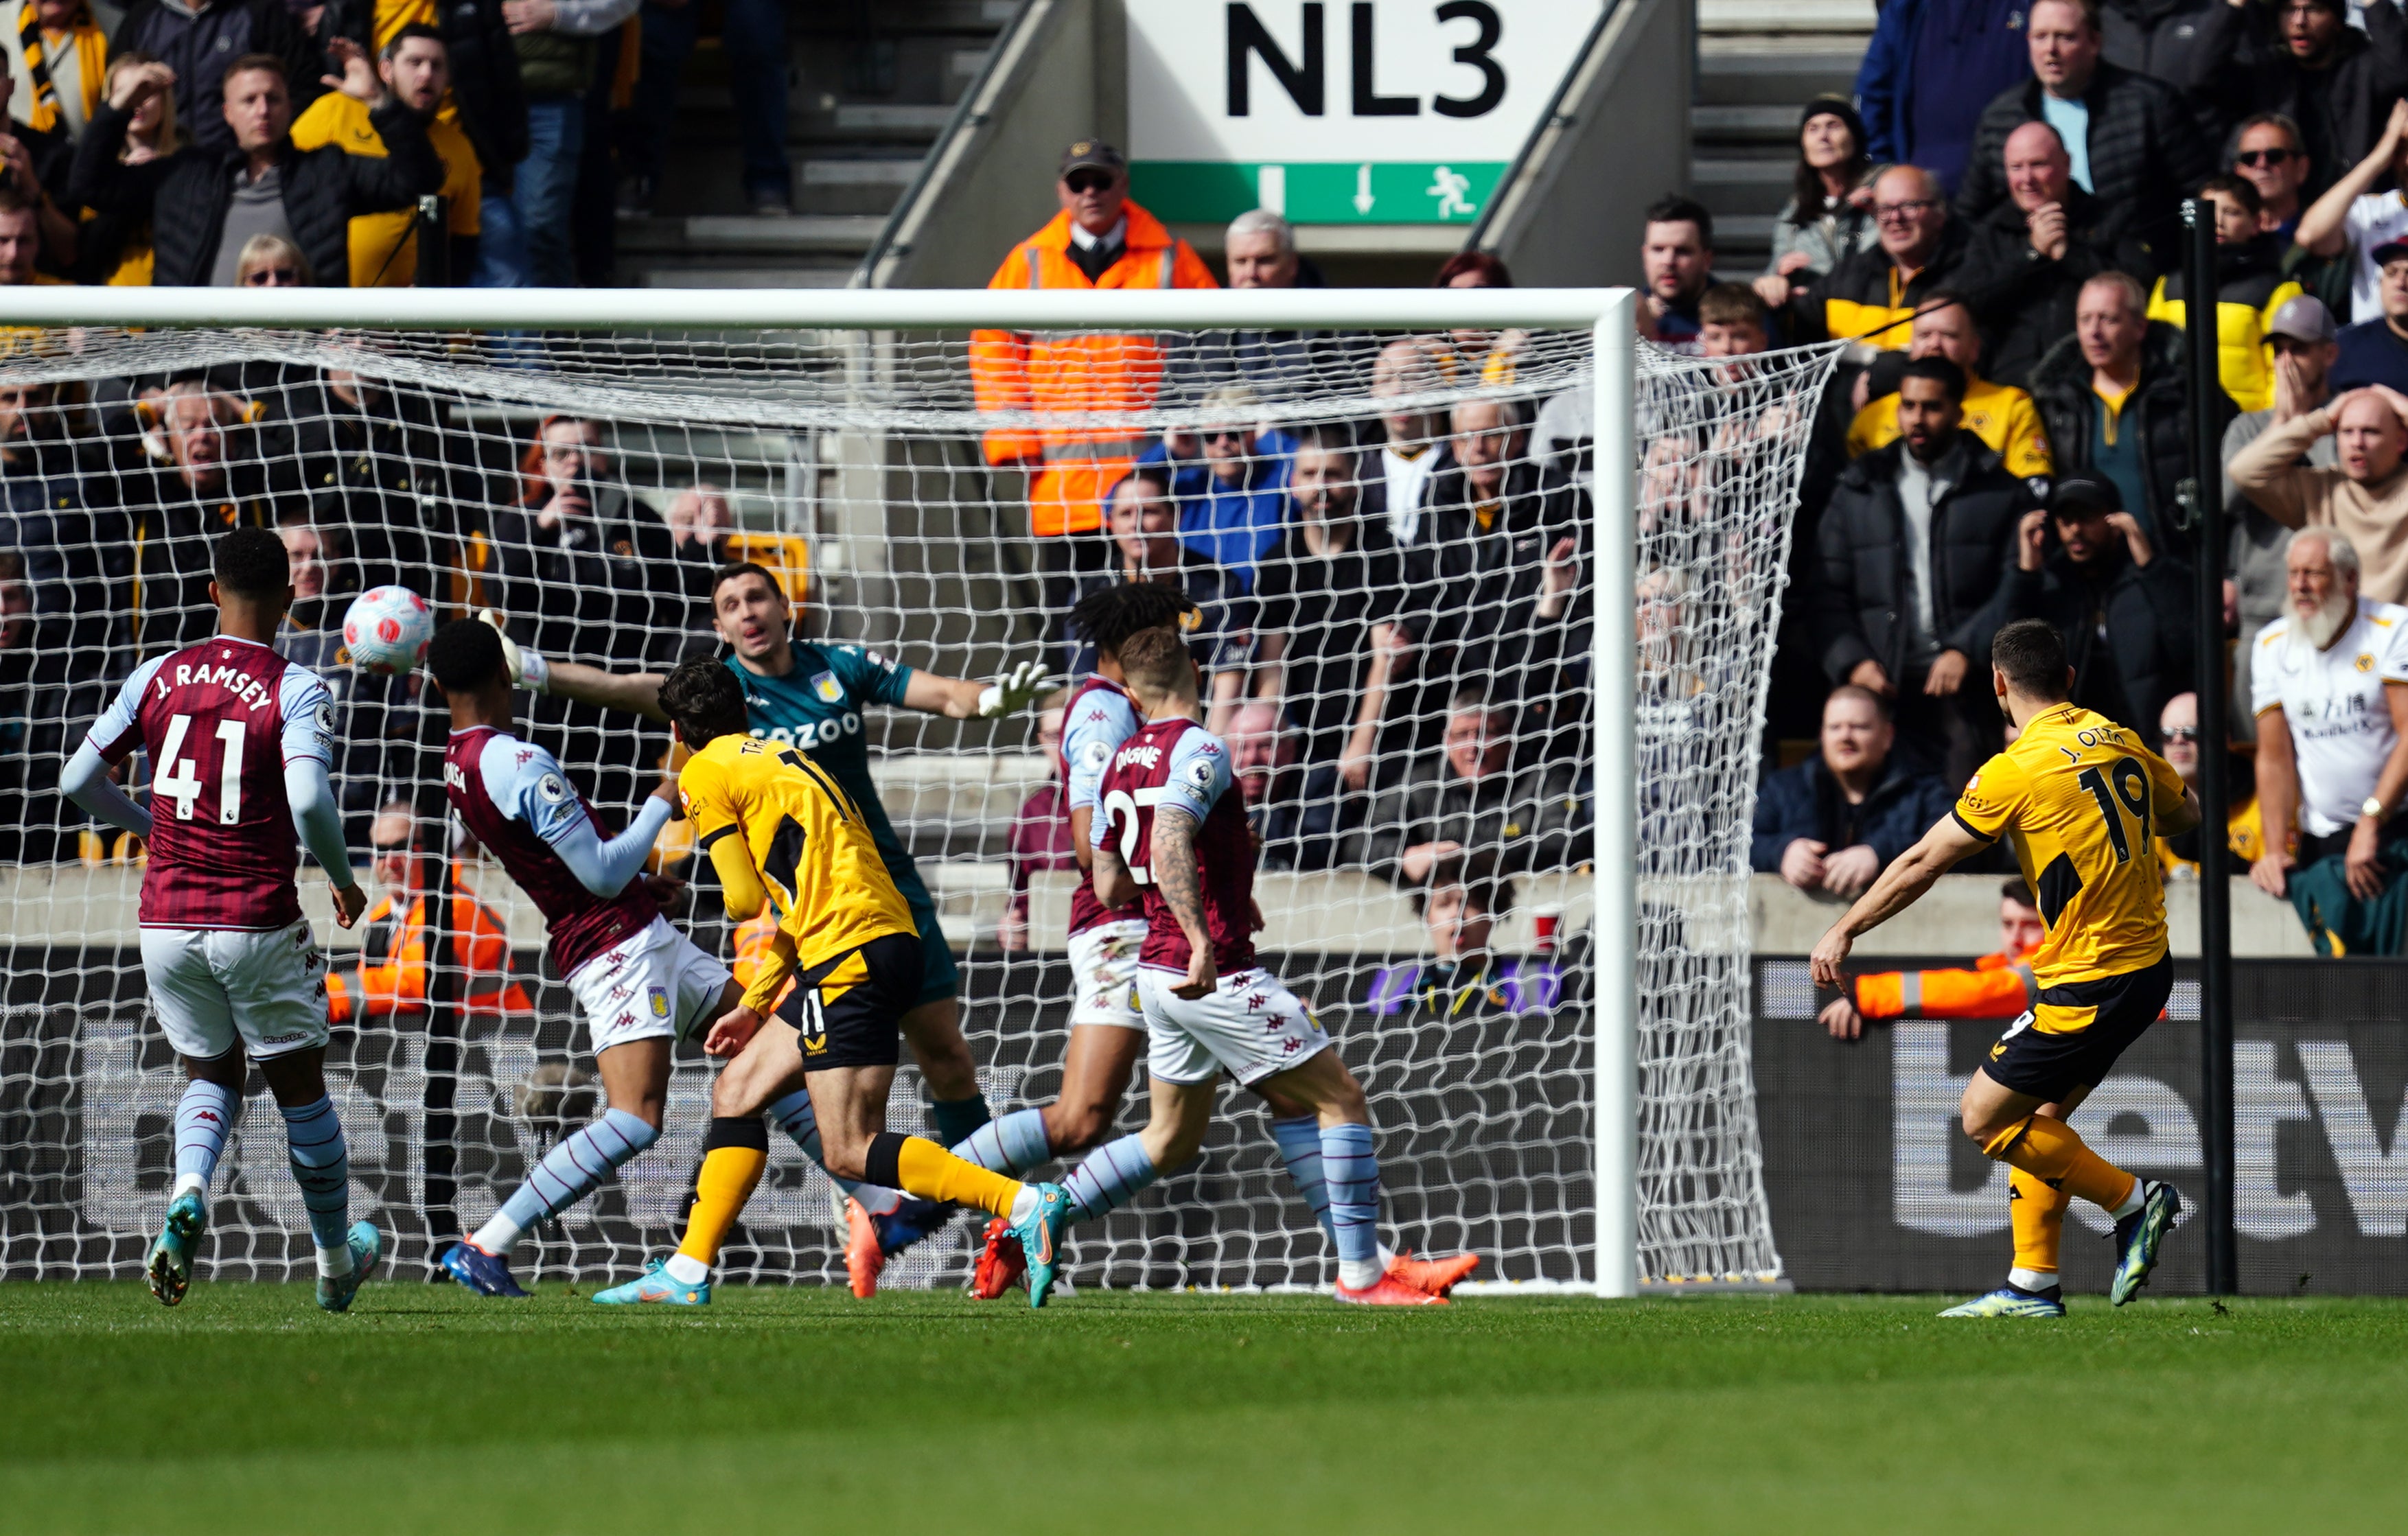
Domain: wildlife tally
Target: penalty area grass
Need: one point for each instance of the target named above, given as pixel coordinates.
(247, 1410)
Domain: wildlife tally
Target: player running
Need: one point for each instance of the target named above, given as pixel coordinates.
(814, 695)
(237, 741)
(641, 984)
(1174, 835)
(782, 832)
(1106, 1025)
(2084, 799)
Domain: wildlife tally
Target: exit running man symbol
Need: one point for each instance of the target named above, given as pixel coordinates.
(1450, 187)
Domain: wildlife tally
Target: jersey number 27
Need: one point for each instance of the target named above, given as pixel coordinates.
(1120, 807)
(2124, 788)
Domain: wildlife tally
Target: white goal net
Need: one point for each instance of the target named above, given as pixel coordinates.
(1393, 554)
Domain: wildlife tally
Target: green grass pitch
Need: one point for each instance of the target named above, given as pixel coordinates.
(427, 1409)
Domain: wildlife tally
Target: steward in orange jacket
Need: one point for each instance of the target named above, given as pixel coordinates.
(1997, 986)
(391, 974)
(1076, 371)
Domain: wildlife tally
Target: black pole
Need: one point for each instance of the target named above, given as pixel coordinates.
(434, 244)
(2214, 731)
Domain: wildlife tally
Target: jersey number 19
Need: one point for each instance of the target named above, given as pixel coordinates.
(2123, 787)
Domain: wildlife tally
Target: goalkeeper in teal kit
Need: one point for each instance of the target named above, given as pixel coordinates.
(814, 695)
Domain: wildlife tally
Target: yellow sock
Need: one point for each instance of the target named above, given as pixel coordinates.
(928, 1170)
(2047, 1147)
(728, 1177)
(2038, 1212)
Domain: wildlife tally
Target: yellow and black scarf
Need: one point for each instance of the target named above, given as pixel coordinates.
(91, 51)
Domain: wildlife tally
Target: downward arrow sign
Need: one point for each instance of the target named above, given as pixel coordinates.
(1363, 198)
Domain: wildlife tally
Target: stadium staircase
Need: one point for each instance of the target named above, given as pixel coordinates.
(1758, 61)
(873, 85)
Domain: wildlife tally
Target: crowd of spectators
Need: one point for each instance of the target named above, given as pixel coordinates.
(148, 143)
(1992, 225)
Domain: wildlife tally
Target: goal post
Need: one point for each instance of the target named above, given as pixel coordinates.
(1691, 468)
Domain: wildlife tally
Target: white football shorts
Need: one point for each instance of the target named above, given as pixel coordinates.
(213, 987)
(651, 983)
(1250, 1025)
(1103, 966)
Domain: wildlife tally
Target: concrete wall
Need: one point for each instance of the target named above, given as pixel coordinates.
(1619, 141)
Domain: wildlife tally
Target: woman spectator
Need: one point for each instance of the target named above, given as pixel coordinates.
(1487, 356)
(115, 249)
(1830, 215)
(271, 261)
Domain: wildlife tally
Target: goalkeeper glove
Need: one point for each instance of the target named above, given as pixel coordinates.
(528, 668)
(1008, 692)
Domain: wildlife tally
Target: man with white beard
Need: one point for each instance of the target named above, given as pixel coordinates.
(2330, 681)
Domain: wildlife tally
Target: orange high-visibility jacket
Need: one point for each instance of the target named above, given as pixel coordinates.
(1076, 371)
(393, 963)
(1997, 987)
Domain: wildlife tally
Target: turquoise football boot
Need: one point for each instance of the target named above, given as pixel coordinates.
(658, 1286)
(2137, 1237)
(1039, 1236)
(169, 1267)
(2013, 1301)
(335, 1292)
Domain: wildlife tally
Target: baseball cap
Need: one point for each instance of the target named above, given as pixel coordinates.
(2304, 318)
(2389, 251)
(2095, 492)
(1092, 154)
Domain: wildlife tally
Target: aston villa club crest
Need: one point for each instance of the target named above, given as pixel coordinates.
(829, 690)
(660, 996)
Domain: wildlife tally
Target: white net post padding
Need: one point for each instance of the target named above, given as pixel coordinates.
(858, 449)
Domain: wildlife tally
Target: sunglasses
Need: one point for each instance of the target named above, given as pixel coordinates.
(2255, 158)
(1088, 181)
(2181, 733)
(272, 277)
(1225, 434)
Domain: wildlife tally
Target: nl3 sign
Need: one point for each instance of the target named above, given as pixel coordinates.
(1369, 112)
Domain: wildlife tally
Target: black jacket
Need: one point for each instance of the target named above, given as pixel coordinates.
(1859, 598)
(200, 47)
(2342, 108)
(484, 70)
(185, 195)
(2148, 615)
(2146, 152)
(2026, 300)
(2185, 43)
(602, 588)
(1533, 819)
(1805, 802)
(1854, 297)
(2060, 387)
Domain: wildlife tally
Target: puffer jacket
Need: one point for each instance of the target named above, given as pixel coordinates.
(2061, 386)
(186, 195)
(2146, 152)
(1859, 597)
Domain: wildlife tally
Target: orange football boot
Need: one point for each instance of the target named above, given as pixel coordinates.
(863, 1258)
(1432, 1276)
(1390, 1292)
(1000, 1263)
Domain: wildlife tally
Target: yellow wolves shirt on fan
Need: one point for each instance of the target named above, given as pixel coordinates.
(806, 838)
(384, 247)
(2083, 797)
(2000, 415)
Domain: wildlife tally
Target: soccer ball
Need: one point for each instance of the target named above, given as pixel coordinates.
(386, 630)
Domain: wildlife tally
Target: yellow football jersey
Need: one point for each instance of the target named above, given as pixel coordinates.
(807, 839)
(2002, 416)
(2083, 797)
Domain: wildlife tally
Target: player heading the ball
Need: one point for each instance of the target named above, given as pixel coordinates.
(2083, 800)
(780, 829)
(1173, 836)
(237, 741)
(639, 983)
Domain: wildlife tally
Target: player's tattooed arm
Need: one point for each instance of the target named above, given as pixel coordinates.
(1115, 886)
(1178, 877)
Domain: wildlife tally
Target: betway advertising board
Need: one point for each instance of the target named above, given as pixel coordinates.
(1367, 112)
(1873, 1186)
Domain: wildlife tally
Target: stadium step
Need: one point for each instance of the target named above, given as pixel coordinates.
(871, 90)
(1758, 61)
